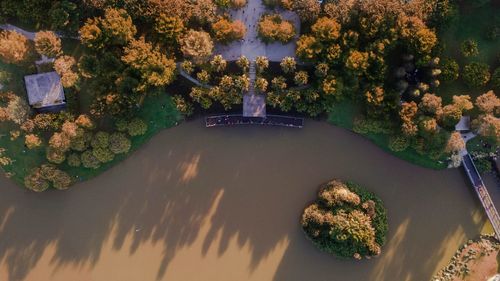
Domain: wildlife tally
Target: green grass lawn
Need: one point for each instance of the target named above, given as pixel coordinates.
(343, 115)
(158, 112)
(471, 24)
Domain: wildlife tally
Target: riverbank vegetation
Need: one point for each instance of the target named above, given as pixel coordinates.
(400, 73)
(346, 220)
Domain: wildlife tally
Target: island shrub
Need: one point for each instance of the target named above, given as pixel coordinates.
(346, 220)
(274, 28)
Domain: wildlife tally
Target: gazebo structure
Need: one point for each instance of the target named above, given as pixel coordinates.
(45, 92)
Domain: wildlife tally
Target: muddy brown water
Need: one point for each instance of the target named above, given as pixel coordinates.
(224, 204)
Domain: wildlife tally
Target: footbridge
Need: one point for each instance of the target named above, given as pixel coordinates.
(482, 193)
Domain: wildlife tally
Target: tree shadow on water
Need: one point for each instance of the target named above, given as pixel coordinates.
(244, 185)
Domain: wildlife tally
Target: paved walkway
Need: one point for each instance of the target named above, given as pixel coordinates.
(251, 46)
(31, 35)
(191, 78)
(254, 105)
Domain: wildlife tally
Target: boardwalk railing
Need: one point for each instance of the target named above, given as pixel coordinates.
(482, 193)
(238, 119)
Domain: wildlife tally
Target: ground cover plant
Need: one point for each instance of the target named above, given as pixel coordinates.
(346, 220)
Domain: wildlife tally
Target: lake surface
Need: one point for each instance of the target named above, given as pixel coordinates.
(224, 204)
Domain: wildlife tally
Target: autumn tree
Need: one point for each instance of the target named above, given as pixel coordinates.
(47, 43)
(169, 28)
(288, 64)
(488, 103)
(430, 104)
(357, 61)
(218, 63)
(204, 11)
(407, 114)
(226, 31)
(155, 68)
(197, 45)
(64, 66)
(115, 28)
(308, 10)
(14, 47)
(488, 125)
(274, 27)
(326, 29)
(455, 143)
(261, 63)
(308, 47)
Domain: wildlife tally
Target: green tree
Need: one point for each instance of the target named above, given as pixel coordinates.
(476, 74)
(47, 43)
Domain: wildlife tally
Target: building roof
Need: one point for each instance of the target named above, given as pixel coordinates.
(463, 124)
(44, 89)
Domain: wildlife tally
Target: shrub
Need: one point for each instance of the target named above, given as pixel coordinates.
(301, 78)
(449, 70)
(346, 220)
(476, 74)
(119, 143)
(32, 141)
(55, 156)
(89, 160)
(74, 160)
(398, 143)
(61, 180)
(288, 64)
(469, 48)
(273, 28)
(121, 125)
(261, 63)
(483, 165)
(104, 155)
(137, 127)
(227, 31)
(243, 63)
(182, 105)
(34, 181)
(81, 141)
(100, 140)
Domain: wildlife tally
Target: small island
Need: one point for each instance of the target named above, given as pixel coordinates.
(346, 220)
